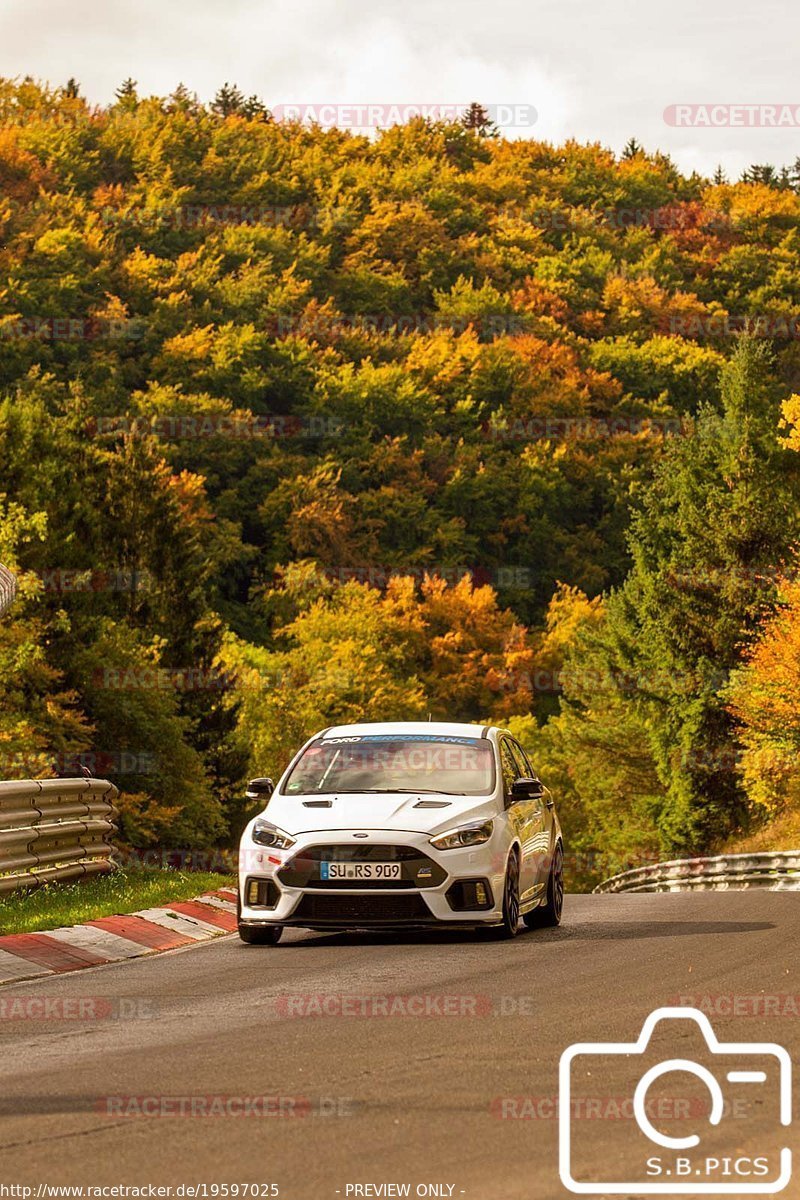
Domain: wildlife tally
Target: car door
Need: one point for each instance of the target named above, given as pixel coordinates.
(542, 823)
(536, 828)
(520, 812)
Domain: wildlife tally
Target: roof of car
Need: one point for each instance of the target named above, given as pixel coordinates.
(442, 728)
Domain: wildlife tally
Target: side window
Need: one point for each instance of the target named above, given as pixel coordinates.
(508, 766)
(523, 760)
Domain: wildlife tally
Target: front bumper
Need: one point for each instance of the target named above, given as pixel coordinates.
(437, 887)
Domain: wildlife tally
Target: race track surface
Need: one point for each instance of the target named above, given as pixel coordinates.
(433, 1092)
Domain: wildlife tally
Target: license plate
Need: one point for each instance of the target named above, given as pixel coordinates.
(365, 870)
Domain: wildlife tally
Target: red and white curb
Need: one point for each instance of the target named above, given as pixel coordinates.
(111, 939)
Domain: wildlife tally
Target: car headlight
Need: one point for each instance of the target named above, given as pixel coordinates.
(465, 835)
(265, 834)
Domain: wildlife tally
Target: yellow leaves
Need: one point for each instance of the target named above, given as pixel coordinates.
(145, 819)
(109, 195)
(765, 699)
(398, 231)
(444, 356)
(188, 489)
(745, 201)
(634, 296)
(112, 311)
(55, 242)
(479, 656)
(569, 611)
(195, 346)
(639, 301)
(320, 517)
(542, 301)
(358, 653)
(790, 413)
(143, 268)
(21, 174)
(349, 657)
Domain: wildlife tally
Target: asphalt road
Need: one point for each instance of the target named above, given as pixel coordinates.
(463, 1101)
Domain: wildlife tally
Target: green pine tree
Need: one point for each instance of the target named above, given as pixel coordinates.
(706, 536)
(477, 118)
(126, 94)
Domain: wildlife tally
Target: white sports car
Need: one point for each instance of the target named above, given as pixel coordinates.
(402, 825)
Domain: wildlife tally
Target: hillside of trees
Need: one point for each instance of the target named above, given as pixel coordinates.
(300, 427)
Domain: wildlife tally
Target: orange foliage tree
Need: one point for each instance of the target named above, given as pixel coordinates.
(765, 693)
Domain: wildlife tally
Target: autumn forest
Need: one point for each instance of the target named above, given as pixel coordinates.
(300, 427)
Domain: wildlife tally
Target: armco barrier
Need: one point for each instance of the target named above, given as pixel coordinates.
(55, 829)
(778, 871)
(8, 589)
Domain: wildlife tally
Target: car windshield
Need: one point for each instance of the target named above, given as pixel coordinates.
(459, 766)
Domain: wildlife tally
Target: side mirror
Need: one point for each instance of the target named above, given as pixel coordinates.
(527, 789)
(260, 789)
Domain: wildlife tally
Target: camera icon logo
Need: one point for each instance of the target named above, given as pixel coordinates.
(663, 1163)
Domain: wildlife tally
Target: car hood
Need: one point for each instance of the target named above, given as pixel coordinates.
(407, 811)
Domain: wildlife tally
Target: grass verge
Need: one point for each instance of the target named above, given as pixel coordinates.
(783, 833)
(54, 904)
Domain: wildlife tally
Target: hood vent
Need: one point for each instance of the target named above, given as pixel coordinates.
(317, 804)
(433, 804)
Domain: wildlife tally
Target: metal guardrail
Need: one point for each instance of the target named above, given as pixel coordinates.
(55, 829)
(778, 871)
(8, 589)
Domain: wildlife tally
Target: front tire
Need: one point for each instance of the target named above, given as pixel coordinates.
(548, 915)
(510, 925)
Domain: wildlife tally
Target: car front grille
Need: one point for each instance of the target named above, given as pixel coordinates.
(363, 910)
(417, 869)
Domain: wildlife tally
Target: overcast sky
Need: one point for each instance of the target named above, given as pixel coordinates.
(593, 70)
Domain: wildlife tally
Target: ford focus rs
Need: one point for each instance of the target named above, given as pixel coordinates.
(402, 825)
